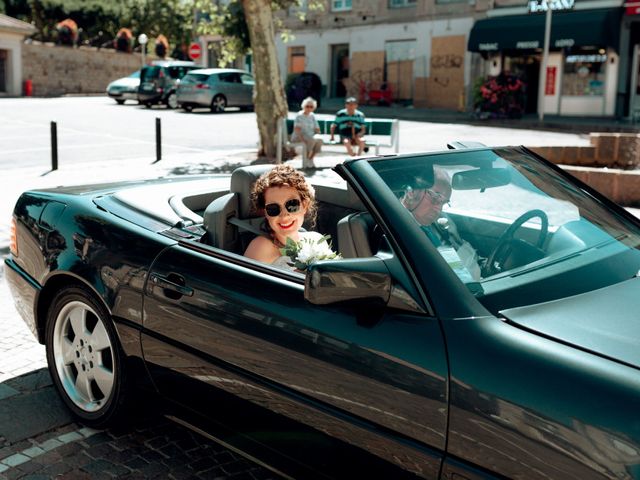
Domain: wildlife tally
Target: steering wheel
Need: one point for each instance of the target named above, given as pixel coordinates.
(506, 242)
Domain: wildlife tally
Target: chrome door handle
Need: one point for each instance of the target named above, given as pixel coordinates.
(172, 282)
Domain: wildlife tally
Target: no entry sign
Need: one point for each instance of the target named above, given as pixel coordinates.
(195, 51)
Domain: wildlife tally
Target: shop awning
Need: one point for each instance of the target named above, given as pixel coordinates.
(600, 28)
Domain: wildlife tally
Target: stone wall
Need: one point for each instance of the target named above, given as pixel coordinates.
(621, 186)
(611, 150)
(57, 70)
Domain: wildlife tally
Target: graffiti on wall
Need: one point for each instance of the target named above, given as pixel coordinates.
(445, 84)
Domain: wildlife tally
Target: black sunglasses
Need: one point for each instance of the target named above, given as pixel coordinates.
(273, 209)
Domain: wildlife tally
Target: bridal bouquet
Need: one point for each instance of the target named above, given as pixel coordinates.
(308, 250)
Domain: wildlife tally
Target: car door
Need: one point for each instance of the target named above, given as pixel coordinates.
(375, 378)
(229, 85)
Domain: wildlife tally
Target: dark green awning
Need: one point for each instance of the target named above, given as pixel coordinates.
(599, 28)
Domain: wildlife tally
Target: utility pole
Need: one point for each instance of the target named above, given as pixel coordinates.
(545, 62)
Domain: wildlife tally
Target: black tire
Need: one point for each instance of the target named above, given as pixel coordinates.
(85, 358)
(218, 104)
(120, 102)
(187, 108)
(147, 104)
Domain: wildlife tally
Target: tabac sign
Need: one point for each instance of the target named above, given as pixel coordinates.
(536, 6)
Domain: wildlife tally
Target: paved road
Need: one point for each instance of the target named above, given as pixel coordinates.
(96, 129)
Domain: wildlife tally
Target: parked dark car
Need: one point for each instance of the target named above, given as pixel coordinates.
(125, 88)
(217, 89)
(158, 82)
(400, 360)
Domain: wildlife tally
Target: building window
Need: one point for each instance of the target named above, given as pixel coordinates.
(445, 2)
(401, 3)
(584, 73)
(340, 5)
(296, 59)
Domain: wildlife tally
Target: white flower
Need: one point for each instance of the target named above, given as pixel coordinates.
(307, 251)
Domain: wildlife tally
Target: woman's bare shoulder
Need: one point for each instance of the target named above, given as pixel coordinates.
(262, 249)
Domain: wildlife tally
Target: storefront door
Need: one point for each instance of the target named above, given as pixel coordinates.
(634, 106)
(527, 68)
(339, 69)
(3, 70)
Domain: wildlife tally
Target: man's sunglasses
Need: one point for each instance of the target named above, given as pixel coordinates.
(291, 206)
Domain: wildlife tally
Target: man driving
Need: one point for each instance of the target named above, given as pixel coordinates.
(425, 203)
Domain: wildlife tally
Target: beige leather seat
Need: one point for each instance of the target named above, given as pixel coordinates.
(354, 235)
(230, 221)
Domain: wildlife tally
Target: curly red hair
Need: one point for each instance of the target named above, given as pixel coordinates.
(285, 176)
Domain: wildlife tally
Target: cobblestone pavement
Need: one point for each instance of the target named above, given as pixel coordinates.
(39, 440)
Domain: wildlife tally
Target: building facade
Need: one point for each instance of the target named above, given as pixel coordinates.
(432, 53)
(413, 51)
(12, 34)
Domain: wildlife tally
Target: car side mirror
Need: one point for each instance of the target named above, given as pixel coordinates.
(355, 279)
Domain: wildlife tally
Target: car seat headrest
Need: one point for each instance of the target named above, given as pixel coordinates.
(242, 180)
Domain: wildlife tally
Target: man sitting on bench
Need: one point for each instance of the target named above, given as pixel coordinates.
(350, 123)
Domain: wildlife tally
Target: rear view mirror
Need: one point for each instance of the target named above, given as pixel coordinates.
(481, 179)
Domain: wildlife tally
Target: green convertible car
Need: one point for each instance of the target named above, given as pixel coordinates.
(499, 338)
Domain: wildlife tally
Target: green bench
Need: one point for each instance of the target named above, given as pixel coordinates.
(380, 132)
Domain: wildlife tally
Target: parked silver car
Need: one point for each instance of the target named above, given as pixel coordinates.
(124, 88)
(217, 89)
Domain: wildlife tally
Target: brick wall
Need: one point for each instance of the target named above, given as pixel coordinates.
(57, 70)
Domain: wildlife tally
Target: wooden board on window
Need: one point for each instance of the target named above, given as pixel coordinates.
(420, 92)
(366, 69)
(400, 76)
(445, 84)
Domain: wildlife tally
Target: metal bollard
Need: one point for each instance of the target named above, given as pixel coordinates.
(158, 140)
(54, 146)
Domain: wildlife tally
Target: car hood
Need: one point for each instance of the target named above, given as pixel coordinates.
(604, 321)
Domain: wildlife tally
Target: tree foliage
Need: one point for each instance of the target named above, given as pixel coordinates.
(100, 20)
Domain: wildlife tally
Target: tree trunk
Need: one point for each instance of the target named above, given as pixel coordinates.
(269, 99)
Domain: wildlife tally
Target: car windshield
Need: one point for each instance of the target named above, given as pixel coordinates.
(135, 74)
(504, 220)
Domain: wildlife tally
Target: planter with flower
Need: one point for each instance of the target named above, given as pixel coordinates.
(502, 96)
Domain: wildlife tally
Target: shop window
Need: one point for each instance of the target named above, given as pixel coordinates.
(296, 59)
(3, 70)
(340, 5)
(401, 3)
(584, 73)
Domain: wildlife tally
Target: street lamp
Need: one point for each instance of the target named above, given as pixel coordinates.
(142, 40)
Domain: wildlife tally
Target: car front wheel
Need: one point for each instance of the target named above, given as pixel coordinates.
(120, 102)
(172, 101)
(218, 104)
(85, 359)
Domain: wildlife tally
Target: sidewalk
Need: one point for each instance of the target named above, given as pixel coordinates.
(554, 123)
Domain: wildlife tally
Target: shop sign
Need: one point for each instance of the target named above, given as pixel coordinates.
(632, 8)
(528, 44)
(550, 81)
(488, 47)
(536, 6)
(564, 42)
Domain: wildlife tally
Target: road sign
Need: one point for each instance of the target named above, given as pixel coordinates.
(195, 51)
